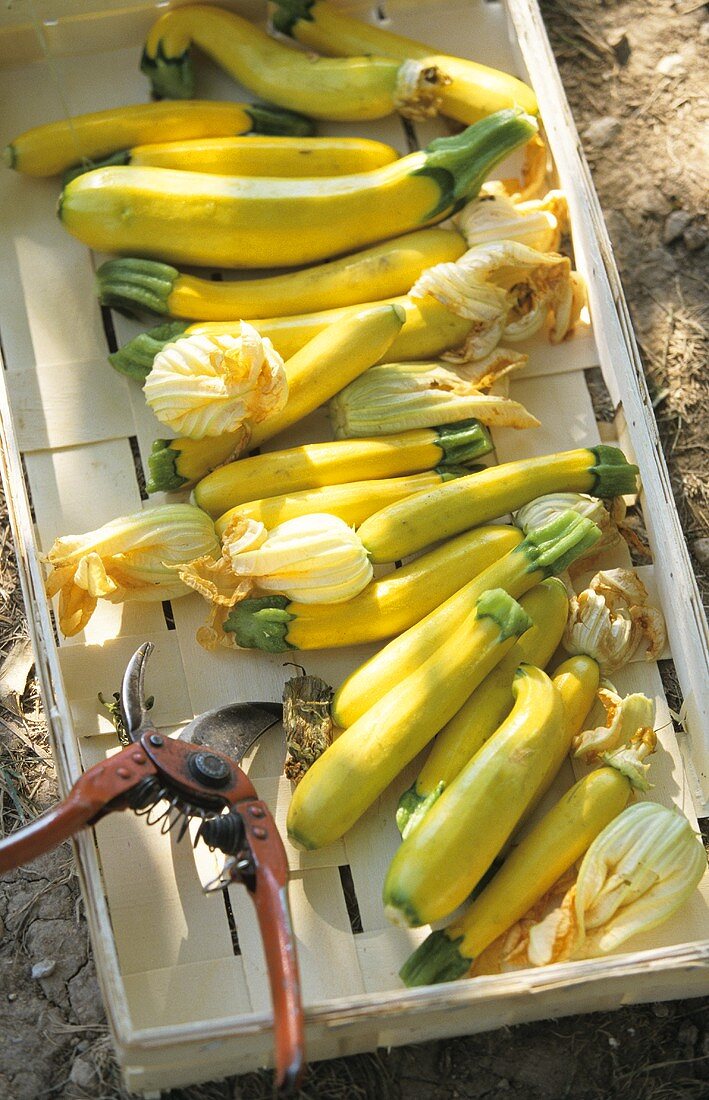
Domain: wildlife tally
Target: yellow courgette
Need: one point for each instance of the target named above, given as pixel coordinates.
(233, 221)
(403, 528)
(544, 552)
(344, 90)
(360, 764)
(50, 149)
(475, 90)
(533, 866)
(386, 606)
(369, 276)
(352, 501)
(315, 464)
(547, 606)
(271, 155)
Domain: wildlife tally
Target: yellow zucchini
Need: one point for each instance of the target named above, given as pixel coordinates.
(547, 606)
(474, 91)
(314, 464)
(543, 553)
(386, 606)
(344, 90)
(355, 769)
(52, 148)
(403, 528)
(352, 501)
(269, 155)
(235, 221)
(452, 847)
(529, 871)
(369, 276)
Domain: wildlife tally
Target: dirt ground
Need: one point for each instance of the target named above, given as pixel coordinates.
(635, 75)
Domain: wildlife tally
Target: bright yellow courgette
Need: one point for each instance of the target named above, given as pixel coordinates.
(403, 528)
(355, 769)
(47, 150)
(312, 374)
(450, 850)
(369, 276)
(234, 221)
(544, 552)
(475, 90)
(386, 606)
(344, 90)
(271, 155)
(532, 867)
(316, 464)
(352, 502)
(547, 605)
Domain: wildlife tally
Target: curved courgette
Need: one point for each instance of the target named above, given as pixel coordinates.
(451, 848)
(547, 606)
(473, 92)
(372, 275)
(355, 769)
(343, 90)
(50, 149)
(403, 528)
(228, 221)
(386, 606)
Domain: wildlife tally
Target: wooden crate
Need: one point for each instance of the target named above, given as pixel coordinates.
(183, 1004)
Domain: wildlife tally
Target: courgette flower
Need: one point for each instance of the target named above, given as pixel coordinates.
(131, 558)
(496, 216)
(626, 718)
(204, 385)
(637, 872)
(508, 292)
(610, 618)
(397, 397)
(313, 559)
(545, 508)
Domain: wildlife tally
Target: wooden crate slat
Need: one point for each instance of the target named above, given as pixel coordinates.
(92, 668)
(382, 953)
(207, 989)
(566, 414)
(69, 405)
(326, 954)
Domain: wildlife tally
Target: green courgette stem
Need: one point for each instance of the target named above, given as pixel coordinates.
(133, 285)
(135, 359)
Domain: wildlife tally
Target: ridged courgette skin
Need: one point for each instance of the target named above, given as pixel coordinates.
(52, 148)
(233, 221)
(385, 607)
(451, 848)
(474, 91)
(355, 769)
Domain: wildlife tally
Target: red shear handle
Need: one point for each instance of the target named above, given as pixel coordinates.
(86, 800)
(271, 901)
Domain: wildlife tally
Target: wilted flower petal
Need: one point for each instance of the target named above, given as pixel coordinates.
(496, 216)
(610, 618)
(133, 557)
(624, 718)
(204, 385)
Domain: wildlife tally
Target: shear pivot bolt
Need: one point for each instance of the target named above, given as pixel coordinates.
(257, 811)
(123, 773)
(259, 832)
(155, 739)
(210, 769)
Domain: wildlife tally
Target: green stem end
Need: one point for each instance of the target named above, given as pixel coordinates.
(615, 476)
(553, 547)
(289, 13)
(413, 807)
(135, 359)
(170, 77)
(162, 461)
(463, 442)
(437, 959)
(134, 286)
(261, 624)
(503, 609)
(266, 119)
